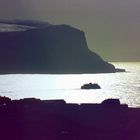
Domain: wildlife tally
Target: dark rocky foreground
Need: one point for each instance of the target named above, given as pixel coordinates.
(33, 119)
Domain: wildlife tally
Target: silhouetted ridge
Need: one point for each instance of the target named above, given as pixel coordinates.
(49, 49)
(35, 119)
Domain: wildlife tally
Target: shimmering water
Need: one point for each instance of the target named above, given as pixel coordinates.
(125, 86)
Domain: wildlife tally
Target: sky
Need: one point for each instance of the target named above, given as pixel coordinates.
(112, 27)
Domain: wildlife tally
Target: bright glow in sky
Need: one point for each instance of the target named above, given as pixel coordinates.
(112, 27)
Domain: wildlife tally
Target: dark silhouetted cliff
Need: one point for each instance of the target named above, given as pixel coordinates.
(27, 47)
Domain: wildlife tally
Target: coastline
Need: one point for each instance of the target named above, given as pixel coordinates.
(31, 118)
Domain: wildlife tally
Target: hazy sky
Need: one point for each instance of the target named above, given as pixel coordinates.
(112, 27)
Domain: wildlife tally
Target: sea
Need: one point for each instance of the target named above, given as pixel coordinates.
(124, 86)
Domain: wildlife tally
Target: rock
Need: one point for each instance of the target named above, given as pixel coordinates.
(120, 70)
(111, 103)
(55, 49)
(4, 100)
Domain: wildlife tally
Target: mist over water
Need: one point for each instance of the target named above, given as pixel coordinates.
(125, 86)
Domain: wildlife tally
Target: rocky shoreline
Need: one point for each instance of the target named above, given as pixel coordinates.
(34, 119)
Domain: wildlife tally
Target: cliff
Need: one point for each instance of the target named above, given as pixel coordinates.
(30, 47)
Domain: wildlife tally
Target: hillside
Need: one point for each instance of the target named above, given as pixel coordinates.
(29, 47)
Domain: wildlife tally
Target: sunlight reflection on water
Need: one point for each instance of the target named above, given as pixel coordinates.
(125, 86)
